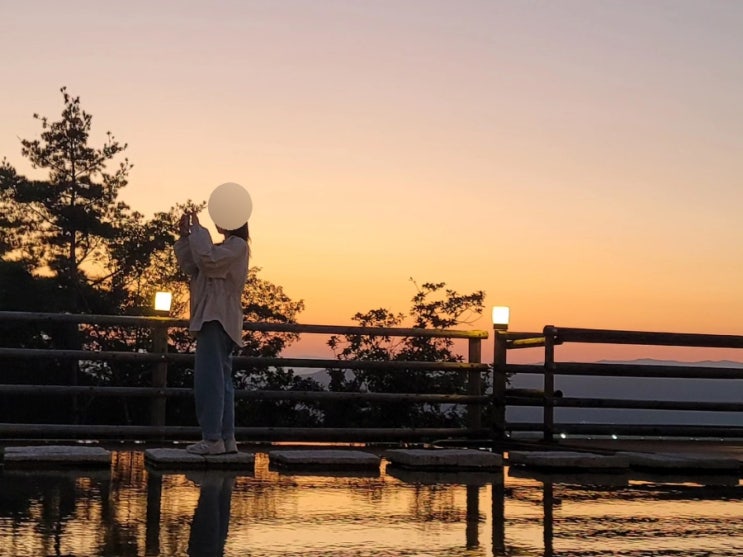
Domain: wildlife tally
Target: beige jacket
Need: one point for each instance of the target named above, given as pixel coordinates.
(218, 274)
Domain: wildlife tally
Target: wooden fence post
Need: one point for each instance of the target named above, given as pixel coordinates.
(159, 374)
(499, 384)
(474, 384)
(549, 382)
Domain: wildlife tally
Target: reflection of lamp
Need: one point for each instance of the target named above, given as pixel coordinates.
(500, 317)
(162, 301)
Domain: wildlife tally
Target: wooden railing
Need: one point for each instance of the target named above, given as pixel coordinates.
(549, 399)
(159, 392)
(479, 404)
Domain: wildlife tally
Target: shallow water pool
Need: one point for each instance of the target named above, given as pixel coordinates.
(129, 510)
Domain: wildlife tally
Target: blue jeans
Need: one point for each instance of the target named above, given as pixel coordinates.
(212, 380)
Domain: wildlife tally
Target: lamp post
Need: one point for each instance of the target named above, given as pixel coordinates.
(160, 345)
(501, 316)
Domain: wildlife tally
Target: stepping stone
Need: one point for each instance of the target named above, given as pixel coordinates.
(324, 459)
(678, 461)
(53, 456)
(444, 459)
(567, 460)
(180, 459)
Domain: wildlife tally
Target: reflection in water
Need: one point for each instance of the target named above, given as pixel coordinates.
(211, 519)
(473, 516)
(154, 496)
(498, 499)
(396, 512)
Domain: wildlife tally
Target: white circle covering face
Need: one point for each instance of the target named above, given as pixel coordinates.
(230, 206)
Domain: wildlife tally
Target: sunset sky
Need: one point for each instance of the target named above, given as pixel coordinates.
(578, 160)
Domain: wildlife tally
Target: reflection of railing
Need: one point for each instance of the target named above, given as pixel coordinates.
(564, 499)
(215, 501)
(159, 392)
(549, 399)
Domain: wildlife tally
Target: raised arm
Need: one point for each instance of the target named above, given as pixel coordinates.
(215, 260)
(184, 257)
(182, 248)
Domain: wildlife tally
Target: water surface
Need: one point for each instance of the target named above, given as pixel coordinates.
(130, 510)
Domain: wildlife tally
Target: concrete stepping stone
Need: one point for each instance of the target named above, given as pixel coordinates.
(180, 459)
(326, 459)
(567, 460)
(681, 462)
(444, 459)
(54, 456)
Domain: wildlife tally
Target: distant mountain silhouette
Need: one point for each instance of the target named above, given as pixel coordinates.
(651, 361)
(639, 388)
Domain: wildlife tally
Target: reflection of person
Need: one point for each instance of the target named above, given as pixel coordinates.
(211, 519)
(218, 273)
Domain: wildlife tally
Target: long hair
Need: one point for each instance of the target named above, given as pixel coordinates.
(241, 232)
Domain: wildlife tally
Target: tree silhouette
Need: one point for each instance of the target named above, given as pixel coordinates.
(433, 307)
(68, 243)
(70, 218)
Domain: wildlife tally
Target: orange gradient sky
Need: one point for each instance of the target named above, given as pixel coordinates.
(579, 161)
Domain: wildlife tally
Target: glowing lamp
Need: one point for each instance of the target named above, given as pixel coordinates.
(162, 301)
(500, 317)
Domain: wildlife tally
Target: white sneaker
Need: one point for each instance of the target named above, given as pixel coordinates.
(230, 446)
(205, 447)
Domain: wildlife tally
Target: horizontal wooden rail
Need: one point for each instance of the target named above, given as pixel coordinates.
(530, 342)
(618, 403)
(648, 404)
(512, 336)
(636, 430)
(67, 431)
(62, 390)
(142, 321)
(257, 361)
(603, 336)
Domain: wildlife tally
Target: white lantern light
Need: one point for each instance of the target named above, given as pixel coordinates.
(501, 315)
(163, 301)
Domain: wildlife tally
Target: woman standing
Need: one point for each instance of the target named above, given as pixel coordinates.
(217, 273)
